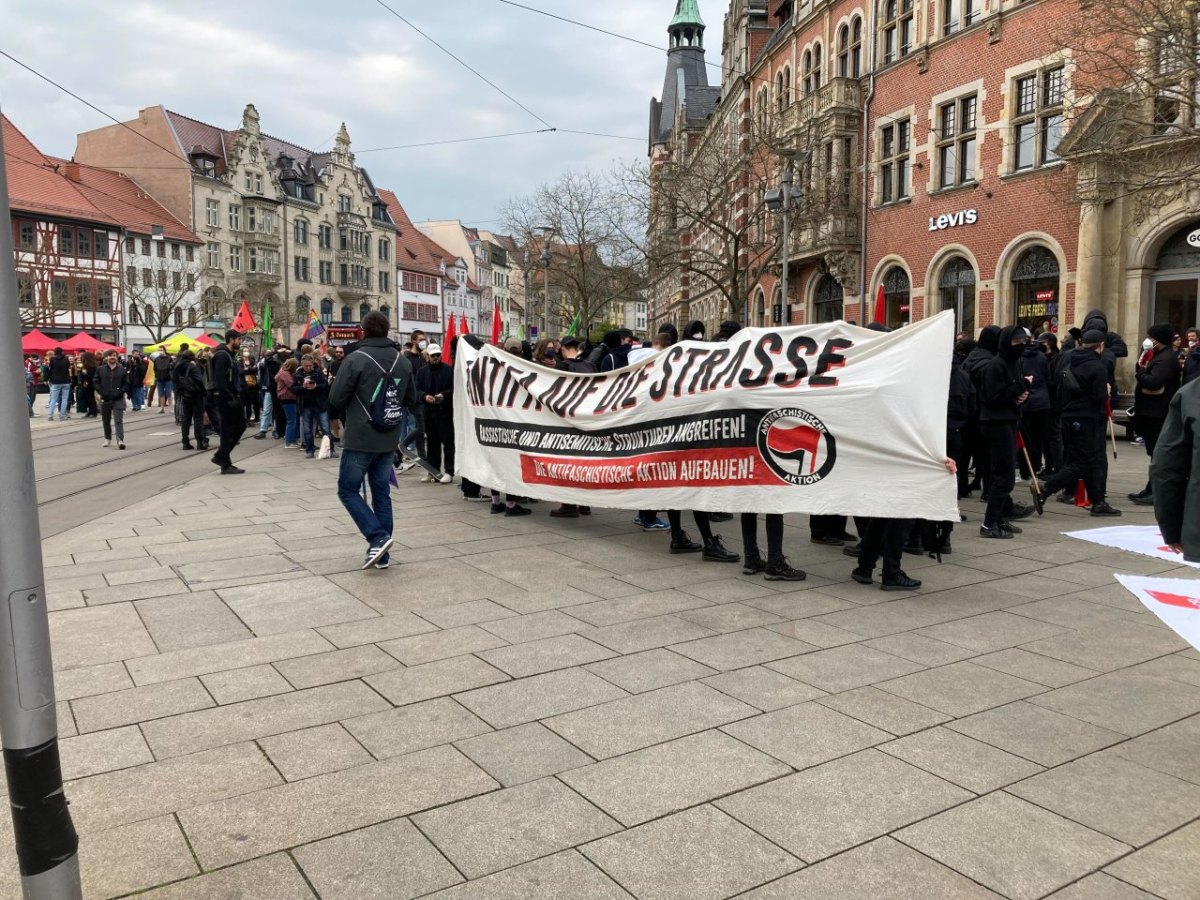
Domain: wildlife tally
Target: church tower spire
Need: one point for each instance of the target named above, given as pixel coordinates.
(686, 70)
(686, 28)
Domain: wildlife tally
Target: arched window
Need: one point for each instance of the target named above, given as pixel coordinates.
(1177, 282)
(843, 52)
(807, 70)
(1035, 284)
(956, 287)
(827, 300)
(363, 310)
(191, 318)
(326, 310)
(787, 86)
(178, 317)
(818, 61)
(347, 312)
(135, 314)
(387, 312)
(856, 37)
(897, 294)
(779, 91)
(303, 305)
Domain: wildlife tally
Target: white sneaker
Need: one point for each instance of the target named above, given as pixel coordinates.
(108, 443)
(405, 466)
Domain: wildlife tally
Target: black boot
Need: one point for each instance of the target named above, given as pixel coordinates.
(1103, 509)
(754, 564)
(714, 551)
(781, 571)
(681, 543)
(899, 582)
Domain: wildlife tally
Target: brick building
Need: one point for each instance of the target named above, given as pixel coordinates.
(946, 155)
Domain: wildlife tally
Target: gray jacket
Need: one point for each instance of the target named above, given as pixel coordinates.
(354, 388)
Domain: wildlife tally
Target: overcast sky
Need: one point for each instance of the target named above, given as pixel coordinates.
(308, 66)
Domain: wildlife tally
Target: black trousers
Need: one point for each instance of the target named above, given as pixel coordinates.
(439, 442)
(191, 417)
(701, 519)
(824, 526)
(774, 536)
(1036, 428)
(1082, 460)
(1054, 443)
(883, 537)
(1000, 438)
(233, 426)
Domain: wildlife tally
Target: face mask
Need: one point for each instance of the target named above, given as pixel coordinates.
(1147, 344)
(698, 336)
(549, 353)
(422, 345)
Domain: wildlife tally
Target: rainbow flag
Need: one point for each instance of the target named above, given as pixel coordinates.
(315, 329)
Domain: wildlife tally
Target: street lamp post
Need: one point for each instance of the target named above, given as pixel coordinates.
(781, 201)
(546, 258)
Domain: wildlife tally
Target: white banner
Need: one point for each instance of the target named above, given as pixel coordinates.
(1174, 600)
(818, 419)
(1144, 539)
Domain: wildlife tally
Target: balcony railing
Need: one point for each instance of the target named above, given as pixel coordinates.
(353, 291)
(838, 95)
(263, 278)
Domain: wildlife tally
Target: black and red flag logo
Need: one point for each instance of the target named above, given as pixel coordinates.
(796, 446)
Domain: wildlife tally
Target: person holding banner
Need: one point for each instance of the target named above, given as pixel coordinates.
(1176, 492)
(1002, 391)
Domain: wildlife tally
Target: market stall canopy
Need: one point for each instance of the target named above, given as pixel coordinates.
(36, 342)
(84, 342)
(175, 341)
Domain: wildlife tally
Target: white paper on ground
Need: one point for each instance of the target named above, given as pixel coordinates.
(1174, 600)
(1144, 539)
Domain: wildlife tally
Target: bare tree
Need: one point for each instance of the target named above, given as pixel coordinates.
(153, 294)
(1135, 75)
(592, 263)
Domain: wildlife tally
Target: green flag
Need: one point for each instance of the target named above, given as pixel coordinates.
(574, 327)
(268, 341)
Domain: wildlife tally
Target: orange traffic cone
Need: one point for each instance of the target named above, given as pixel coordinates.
(1081, 497)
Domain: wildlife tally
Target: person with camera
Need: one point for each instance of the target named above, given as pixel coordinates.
(312, 395)
(1157, 381)
(435, 389)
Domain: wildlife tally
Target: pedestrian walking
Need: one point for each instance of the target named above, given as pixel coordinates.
(112, 384)
(163, 365)
(374, 383)
(190, 394)
(58, 374)
(227, 391)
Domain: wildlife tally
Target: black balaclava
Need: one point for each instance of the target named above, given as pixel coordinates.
(989, 338)
(1007, 350)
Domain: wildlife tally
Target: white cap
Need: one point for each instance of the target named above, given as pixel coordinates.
(1147, 344)
(433, 349)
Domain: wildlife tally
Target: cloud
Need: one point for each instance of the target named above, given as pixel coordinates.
(310, 66)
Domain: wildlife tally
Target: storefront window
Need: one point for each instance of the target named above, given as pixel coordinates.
(1035, 286)
(957, 288)
(827, 301)
(1177, 284)
(897, 293)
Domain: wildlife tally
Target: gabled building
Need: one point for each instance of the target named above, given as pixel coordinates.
(466, 244)
(420, 276)
(68, 251)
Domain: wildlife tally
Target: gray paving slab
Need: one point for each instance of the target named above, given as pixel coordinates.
(276, 607)
(139, 704)
(485, 834)
(1167, 868)
(883, 710)
(435, 679)
(424, 648)
(666, 778)
(222, 657)
(1015, 848)
(806, 735)
(819, 634)
(962, 688)
(236, 685)
(631, 723)
(730, 617)
(95, 635)
(274, 876)
(557, 877)
(800, 604)
(1034, 667)
(920, 649)
(538, 697)
(700, 854)
(1124, 702)
(1114, 796)
(739, 649)
(371, 631)
(190, 620)
(314, 751)
(649, 670)
(337, 665)
(646, 634)
(203, 730)
(130, 795)
(241, 828)
(406, 729)
(844, 668)
(763, 688)
(545, 655)
(522, 753)
(991, 631)
(159, 587)
(535, 626)
(1171, 750)
(103, 751)
(473, 612)
(1110, 645)
(961, 760)
(1101, 887)
(1036, 733)
(838, 805)
(133, 857)
(882, 868)
(389, 861)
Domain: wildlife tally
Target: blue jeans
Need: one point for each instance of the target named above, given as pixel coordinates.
(312, 418)
(374, 521)
(60, 395)
(267, 419)
(138, 397)
(291, 434)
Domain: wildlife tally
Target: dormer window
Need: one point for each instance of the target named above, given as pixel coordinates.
(344, 203)
(203, 162)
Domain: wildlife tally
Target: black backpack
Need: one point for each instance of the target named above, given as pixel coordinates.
(387, 406)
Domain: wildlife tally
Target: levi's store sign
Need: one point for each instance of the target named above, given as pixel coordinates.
(953, 220)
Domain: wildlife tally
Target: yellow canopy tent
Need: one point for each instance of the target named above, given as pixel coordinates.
(172, 344)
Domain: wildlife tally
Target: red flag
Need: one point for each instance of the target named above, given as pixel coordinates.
(496, 323)
(462, 324)
(450, 335)
(880, 308)
(794, 443)
(243, 322)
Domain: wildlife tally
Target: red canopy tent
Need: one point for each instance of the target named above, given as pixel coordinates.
(36, 342)
(83, 342)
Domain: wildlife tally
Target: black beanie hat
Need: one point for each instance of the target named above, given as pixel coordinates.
(1161, 332)
(728, 330)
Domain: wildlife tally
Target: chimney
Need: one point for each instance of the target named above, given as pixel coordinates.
(71, 170)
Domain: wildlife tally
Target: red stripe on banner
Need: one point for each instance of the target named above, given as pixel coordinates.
(1175, 599)
(718, 467)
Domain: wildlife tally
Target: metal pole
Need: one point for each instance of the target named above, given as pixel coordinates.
(787, 209)
(47, 846)
(546, 298)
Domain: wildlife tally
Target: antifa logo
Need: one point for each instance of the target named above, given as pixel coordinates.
(796, 446)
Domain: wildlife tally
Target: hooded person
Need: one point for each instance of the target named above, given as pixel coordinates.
(1082, 386)
(978, 357)
(1157, 379)
(1002, 390)
(728, 329)
(1036, 416)
(693, 331)
(618, 352)
(671, 331)
(1096, 320)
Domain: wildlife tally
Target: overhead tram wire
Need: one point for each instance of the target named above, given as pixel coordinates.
(576, 22)
(465, 65)
(467, 140)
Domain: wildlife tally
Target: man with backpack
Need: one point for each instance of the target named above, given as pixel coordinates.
(373, 387)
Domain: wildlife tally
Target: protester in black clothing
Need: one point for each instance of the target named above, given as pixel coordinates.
(227, 394)
(112, 382)
(435, 389)
(190, 394)
(962, 412)
(983, 352)
(618, 344)
(1052, 456)
(1036, 416)
(1002, 390)
(1157, 382)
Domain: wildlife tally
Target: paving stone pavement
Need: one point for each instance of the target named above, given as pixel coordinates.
(536, 708)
